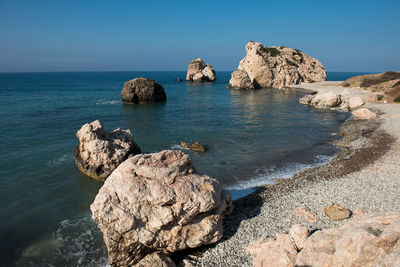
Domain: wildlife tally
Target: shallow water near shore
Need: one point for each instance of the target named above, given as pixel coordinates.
(251, 138)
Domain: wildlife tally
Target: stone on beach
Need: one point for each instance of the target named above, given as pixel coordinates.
(99, 152)
(362, 241)
(306, 213)
(275, 67)
(336, 212)
(198, 71)
(142, 90)
(372, 240)
(157, 203)
(364, 114)
(274, 252)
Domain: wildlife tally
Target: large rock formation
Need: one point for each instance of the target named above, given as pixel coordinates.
(387, 83)
(142, 90)
(99, 152)
(363, 241)
(275, 67)
(198, 71)
(156, 203)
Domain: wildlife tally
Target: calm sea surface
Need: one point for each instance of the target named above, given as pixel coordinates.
(44, 212)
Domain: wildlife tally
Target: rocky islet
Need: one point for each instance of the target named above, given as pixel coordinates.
(275, 67)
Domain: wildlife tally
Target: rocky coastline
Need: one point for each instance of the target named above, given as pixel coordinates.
(364, 177)
(137, 233)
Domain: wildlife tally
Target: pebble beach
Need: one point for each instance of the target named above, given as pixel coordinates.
(364, 177)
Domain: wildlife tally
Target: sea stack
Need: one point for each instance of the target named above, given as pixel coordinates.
(142, 90)
(156, 203)
(99, 152)
(198, 71)
(275, 67)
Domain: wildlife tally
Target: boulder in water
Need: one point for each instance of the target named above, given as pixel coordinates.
(142, 90)
(198, 71)
(275, 67)
(99, 152)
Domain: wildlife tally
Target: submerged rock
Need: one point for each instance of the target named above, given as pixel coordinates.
(198, 71)
(99, 152)
(275, 67)
(157, 203)
(142, 90)
(196, 146)
(336, 212)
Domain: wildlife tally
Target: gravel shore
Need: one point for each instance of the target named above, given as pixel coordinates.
(364, 177)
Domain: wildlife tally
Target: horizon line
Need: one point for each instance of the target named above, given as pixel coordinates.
(71, 71)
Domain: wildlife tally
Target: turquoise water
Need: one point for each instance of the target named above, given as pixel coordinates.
(45, 219)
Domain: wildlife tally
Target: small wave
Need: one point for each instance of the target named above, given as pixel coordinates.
(108, 102)
(179, 147)
(77, 242)
(279, 173)
(60, 160)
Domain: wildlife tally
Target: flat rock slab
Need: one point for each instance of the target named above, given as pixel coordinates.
(336, 212)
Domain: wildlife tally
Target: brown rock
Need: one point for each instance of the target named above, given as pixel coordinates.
(278, 252)
(364, 114)
(142, 90)
(336, 212)
(275, 67)
(156, 203)
(196, 146)
(99, 152)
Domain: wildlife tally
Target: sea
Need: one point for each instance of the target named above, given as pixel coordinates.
(251, 137)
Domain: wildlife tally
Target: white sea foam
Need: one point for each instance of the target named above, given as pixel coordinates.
(60, 160)
(108, 102)
(179, 147)
(279, 173)
(77, 242)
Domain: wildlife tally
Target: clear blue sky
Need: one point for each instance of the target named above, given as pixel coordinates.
(75, 35)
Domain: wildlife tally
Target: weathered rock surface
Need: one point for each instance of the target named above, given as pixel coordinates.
(363, 241)
(336, 212)
(274, 252)
(99, 152)
(155, 260)
(275, 67)
(198, 71)
(332, 100)
(299, 235)
(142, 90)
(157, 203)
(364, 114)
